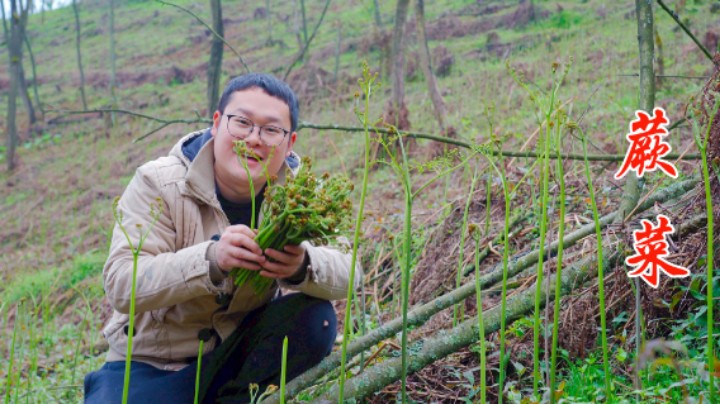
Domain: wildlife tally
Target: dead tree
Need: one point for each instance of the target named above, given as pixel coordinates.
(216, 54)
(79, 54)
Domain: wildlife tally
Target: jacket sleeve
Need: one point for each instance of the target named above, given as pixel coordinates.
(328, 275)
(165, 277)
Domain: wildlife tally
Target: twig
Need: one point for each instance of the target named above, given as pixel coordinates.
(666, 76)
(468, 145)
(307, 44)
(220, 37)
(165, 122)
(684, 28)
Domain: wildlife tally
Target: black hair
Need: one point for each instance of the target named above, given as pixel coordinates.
(268, 83)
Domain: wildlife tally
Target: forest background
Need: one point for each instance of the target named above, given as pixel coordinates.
(484, 81)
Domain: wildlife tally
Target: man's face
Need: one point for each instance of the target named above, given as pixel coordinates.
(262, 109)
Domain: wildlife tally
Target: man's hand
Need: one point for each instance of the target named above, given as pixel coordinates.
(283, 264)
(237, 249)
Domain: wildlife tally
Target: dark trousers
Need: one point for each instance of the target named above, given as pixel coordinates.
(252, 354)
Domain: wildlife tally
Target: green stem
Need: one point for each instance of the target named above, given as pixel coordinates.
(457, 309)
(367, 84)
(503, 293)
(283, 370)
(154, 217)
(601, 276)
(407, 244)
(488, 194)
(543, 232)
(12, 354)
(198, 372)
(558, 272)
(481, 324)
(131, 326)
(710, 256)
(243, 161)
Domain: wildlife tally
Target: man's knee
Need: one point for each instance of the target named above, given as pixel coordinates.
(322, 323)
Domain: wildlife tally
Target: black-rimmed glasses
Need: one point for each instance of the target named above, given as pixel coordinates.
(241, 127)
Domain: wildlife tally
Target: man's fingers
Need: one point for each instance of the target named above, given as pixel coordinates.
(294, 249)
(273, 275)
(244, 264)
(241, 239)
(279, 256)
(275, 267)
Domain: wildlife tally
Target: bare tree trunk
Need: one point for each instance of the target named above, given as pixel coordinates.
(378, 20)
(296, 26)
(34, 77)
(25, 93)
(18, 20)
(270, 41)
(4, 22)
(304, 21)
(79, 54)
(660, 59)
(337, 51)
(398, 52)
(112, 63)
(425, 62)
(634, 184)
(216, 54)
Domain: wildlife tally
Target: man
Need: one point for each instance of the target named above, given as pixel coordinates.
(202, 202)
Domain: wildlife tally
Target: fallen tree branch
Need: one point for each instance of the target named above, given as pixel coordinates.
(420, 314)
(468, 145)
(164, 122)
(684, 28)
(445, 342)
(309, 125)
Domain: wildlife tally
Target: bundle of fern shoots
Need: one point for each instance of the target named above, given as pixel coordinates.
(305, 208)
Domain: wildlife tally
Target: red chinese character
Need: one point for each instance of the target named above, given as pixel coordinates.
(646, 145)
(651, 249)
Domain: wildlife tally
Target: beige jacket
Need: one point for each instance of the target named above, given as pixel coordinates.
(175, 295)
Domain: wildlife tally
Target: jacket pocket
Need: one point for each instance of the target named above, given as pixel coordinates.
(116, 323)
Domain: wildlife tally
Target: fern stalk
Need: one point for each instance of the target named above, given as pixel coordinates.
(541, 260)
(457, 309)
(601, 275)
(367, 84)
(710, 252)
(558, 272)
